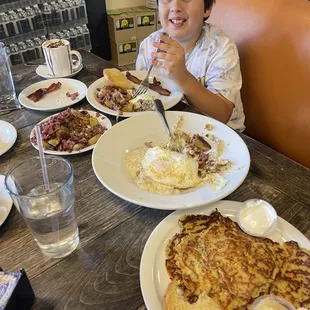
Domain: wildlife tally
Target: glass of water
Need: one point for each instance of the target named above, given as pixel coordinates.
(7, 90)
(50, 215)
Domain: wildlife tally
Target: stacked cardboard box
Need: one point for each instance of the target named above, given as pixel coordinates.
(127, 29)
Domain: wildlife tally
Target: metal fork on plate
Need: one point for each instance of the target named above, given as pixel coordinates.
(159, 107)
(145, 84)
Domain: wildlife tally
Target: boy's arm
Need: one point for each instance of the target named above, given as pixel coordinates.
(223, 79)
(141, 62)
(215, 105)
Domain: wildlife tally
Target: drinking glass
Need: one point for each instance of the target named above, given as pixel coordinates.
(7, 90)
(49, 214)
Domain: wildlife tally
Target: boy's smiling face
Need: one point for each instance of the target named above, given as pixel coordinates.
(182, 19)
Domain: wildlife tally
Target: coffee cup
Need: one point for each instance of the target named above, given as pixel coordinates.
(58, 57)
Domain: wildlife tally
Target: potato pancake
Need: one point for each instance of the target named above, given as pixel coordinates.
(213, 256)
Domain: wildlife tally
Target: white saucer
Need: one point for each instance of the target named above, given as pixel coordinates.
(43, 72)
(5, 202)
(8, 136)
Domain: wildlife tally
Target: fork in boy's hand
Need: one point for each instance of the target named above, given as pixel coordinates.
(144, 85)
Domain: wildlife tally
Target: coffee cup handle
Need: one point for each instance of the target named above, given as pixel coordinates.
(79, 63)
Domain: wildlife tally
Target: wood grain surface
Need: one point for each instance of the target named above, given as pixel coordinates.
(103, 273)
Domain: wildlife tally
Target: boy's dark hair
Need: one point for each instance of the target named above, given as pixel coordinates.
(208, 5)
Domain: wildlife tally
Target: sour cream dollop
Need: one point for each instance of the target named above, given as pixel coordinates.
(257, 217)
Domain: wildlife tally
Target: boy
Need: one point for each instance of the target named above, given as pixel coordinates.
(199, 57)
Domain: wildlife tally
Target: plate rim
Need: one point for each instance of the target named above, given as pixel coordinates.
(58, 153)
(103, 109)
(146, 270)
(149, 204)
(49, 77)
(9, 205)
(53, 80)
(14, 137)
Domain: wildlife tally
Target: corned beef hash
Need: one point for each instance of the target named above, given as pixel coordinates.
(69, 131)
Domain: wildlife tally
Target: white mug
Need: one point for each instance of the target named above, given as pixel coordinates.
(58, 59)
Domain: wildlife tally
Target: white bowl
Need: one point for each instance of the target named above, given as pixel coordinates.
(257, 217)
(109, 154)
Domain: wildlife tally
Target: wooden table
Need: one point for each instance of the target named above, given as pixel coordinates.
(104, 272)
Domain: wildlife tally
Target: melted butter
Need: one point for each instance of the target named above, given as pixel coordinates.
(220, 148)
(133, 160)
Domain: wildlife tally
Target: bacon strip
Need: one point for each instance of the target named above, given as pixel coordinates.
(39, 93)
(155, 86)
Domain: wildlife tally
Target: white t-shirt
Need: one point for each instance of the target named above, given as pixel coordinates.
(214, 62)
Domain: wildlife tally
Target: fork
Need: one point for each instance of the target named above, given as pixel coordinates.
(161, 112)
(159, 107)
(145, 84)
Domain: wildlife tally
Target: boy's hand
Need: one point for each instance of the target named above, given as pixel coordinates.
(171, 57)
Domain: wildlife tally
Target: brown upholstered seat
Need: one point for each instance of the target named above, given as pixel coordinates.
(273, 38)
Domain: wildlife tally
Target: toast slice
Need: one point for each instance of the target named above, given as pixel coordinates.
(116, 78)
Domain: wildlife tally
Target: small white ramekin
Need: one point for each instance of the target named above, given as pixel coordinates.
(284, 303)
(272, 210)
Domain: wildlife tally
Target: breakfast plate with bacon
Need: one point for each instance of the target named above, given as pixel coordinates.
(53, 95)
(114, 92)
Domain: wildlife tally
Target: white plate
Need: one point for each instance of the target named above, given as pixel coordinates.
(168, 101)
(5, 201)
(154, 278)
(56, 100)
(8, 136)
(43, 72)
(104, 121)
(109, 159)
